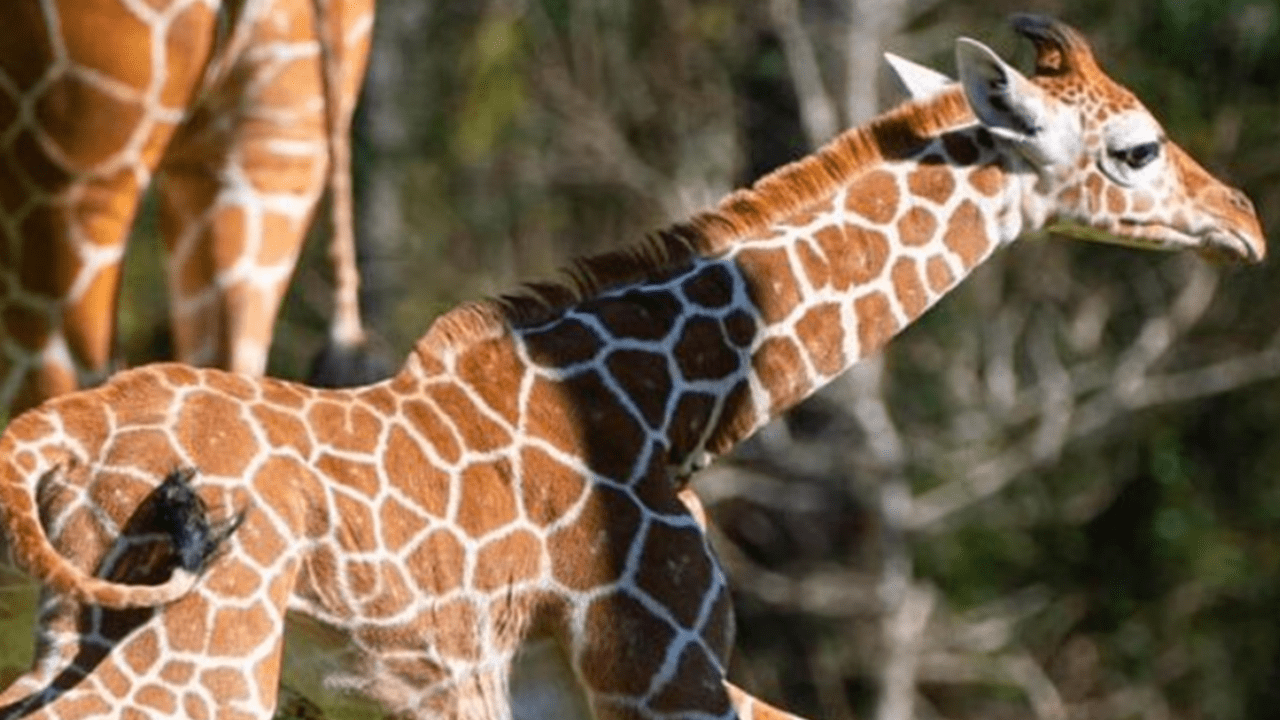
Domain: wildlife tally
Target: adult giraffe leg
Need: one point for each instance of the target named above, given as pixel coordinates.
(239, 188)
(84, 117)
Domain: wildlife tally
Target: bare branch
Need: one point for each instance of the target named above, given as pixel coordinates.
(817, 109)
(904, 633)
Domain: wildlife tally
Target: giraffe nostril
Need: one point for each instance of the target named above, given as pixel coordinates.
(1241, 201)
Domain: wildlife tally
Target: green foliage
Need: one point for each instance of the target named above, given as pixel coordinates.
(495, 87)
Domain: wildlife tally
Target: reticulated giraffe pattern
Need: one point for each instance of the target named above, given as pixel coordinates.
(226, 105)
(504, 528)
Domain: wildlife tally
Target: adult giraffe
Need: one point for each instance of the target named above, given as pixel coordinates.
(239, 108)
(504, 527)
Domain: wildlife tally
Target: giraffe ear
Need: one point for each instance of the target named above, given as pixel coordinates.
(916, 81)
(1013, 108)
(1004, 100)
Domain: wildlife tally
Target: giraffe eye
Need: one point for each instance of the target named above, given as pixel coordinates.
(1138, 156)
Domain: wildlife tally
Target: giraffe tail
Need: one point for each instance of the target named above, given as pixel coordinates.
(749, 707)
(347, 358)
(176, 511)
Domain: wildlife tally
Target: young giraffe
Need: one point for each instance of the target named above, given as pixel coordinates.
(238, 106)
(503, 528)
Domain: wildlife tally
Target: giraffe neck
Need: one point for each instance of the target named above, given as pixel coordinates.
(680, 348)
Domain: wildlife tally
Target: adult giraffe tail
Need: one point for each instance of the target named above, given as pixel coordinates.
(172, 509)
(346, 358)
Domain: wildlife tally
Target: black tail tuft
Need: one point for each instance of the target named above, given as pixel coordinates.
(183, 516)
(348, 366)
(169, 530)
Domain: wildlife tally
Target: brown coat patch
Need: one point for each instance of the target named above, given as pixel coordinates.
(635, 314)
(493, 371)
(393, 594)
(624, 653)
(344, 426)
(593, 405)
(593, 551)
(821, 333)
(214, 435)
(987, 180)
(356, 531)
(479, 432)
(675, 695)
(876, 323)
(908, 287)
(917, 227)
(232, 578)
(400, 524)
(359, 475)
(770, 283)
(966, 234)
(186, 624)
(567, 342)
(409, 470)
(424, 418)
(933, 182)
(1115, 200)
(488, 501)
(437, 564)
(688, 424)
(676, 571)
(857, 255)
(816, 268)
(507, 561)
(711, 287)
(703, 352)
(646, 380)
(549, 488)
(777, 363)
(874, 196)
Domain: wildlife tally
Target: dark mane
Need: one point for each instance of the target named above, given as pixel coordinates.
(789, 190)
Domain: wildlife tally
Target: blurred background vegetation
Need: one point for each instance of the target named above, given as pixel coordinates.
(1054, 497)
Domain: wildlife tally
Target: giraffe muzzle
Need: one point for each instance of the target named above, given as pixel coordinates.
(1232, 246)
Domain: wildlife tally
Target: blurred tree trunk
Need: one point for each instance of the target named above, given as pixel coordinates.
(382, 140)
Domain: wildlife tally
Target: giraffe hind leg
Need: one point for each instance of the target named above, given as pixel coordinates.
(171, 528)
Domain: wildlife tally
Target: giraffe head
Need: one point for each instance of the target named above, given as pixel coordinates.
(1103, 168)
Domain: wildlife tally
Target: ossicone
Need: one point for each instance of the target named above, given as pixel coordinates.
(1060, 49)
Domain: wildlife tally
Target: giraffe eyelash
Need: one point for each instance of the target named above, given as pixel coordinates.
(1137, 156)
